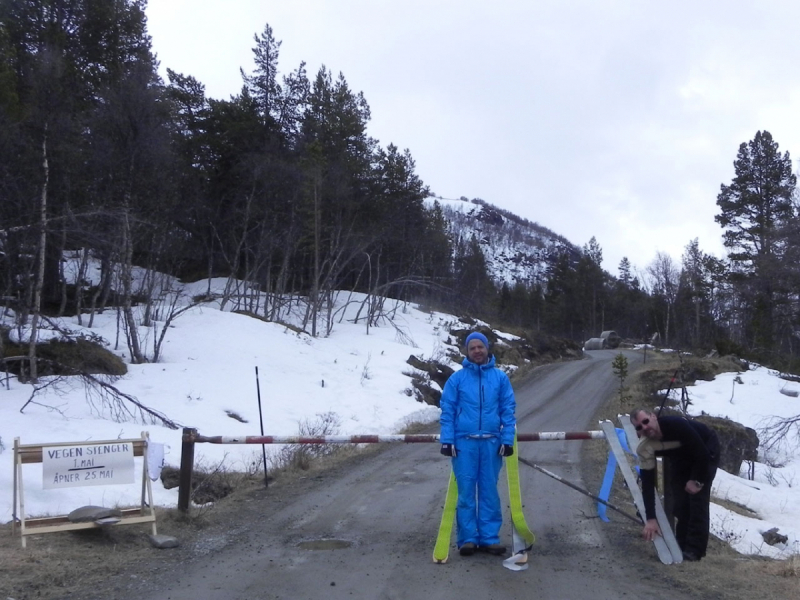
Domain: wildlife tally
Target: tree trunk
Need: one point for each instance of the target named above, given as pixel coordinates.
(315, 284)
(81, 276)
(103, 287)
(127, 300)
(40, 259)
(62, 307)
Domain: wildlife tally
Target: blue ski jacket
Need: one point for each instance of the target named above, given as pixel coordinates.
(477, 401)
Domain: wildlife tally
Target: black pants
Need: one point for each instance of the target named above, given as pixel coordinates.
(691, 510)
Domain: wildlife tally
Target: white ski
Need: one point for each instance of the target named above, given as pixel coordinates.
(664, 554)
(661, 516)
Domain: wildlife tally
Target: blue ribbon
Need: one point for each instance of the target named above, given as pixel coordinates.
(608, 478)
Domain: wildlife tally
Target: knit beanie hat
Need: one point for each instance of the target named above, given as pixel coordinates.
(477, 335)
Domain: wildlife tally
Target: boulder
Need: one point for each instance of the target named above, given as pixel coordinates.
(206, 487)
(772, 537)
(163, 541)
(170, 477)
(737, 443)
(86, 514)
(424, 392)
(436, 371)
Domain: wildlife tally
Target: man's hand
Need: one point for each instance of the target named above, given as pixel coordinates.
(448, 450)
(693, 487)
(506, 450)
(651, 530)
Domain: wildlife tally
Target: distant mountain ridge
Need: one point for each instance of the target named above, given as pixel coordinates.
(516, 250)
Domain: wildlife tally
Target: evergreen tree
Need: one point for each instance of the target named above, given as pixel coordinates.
(263, 85)
(474, 291)
(561, 303)
(628, 306)
(625, 276)
(398, 218)
(592, 289)
(293, 102)
(754, 210)
(694, 323)
(67, 64)
(437, 249)
(340, 175)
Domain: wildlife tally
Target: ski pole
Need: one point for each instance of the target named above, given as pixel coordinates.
(261, 420)
(579, 489)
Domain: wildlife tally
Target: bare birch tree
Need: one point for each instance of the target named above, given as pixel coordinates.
(40, 259)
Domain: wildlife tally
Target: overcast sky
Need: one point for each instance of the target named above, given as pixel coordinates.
(615, 119)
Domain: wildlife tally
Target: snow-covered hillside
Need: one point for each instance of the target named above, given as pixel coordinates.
(516, 250)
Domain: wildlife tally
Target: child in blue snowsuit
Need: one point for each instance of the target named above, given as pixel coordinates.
(477, 431)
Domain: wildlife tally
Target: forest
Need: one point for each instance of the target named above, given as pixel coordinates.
(281, 190)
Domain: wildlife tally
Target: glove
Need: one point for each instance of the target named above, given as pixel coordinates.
(448, 450)
(506, 450)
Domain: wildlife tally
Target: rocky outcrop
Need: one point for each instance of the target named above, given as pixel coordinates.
(490, 215)
(737, 443)
(423, 391)
(436, 371)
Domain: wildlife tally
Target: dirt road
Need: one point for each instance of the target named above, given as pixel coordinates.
(368, 531)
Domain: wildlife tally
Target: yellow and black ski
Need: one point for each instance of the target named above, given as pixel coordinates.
(523, 537)
(442, 549)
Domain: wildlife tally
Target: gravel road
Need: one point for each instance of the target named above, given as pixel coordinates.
(367, 531)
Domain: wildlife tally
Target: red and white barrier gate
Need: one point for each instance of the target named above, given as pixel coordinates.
(191, 437)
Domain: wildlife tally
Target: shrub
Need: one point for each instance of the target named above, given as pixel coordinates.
(81, 355)
(67, 357)
(300, 456)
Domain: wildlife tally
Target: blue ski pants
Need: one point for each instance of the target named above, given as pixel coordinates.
(477, 466)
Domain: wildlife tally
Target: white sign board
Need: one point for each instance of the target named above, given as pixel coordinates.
(93, 464)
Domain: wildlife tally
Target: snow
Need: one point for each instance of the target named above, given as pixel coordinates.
(514, 253)
(354, 379)
(754, 399)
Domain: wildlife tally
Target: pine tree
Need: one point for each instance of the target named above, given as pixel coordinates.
(263, 84)
(561, 306)
(754, 209)
(592, 276)
(625, 276)
(474, 291)
(694, 297)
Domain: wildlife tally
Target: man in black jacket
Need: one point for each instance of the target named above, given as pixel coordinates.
(693, 451)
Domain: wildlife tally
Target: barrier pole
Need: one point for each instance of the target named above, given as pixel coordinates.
(261, 420)
(417, 438)
(187, 466)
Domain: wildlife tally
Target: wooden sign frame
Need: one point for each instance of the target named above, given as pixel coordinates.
(33, 453)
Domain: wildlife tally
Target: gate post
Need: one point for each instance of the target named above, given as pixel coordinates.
(187, 466)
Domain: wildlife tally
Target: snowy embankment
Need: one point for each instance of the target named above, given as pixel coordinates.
(352, 380)
(754, 399)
